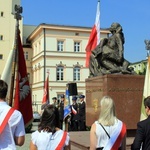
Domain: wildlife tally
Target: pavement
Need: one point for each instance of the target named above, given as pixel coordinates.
(28, 138)
(27, 143)
(129, 141)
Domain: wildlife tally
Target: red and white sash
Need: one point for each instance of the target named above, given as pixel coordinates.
(74, 111)
(116, 137)
(62, 142)
(5, 119)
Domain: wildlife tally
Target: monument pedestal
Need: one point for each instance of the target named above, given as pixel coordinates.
(125, 90)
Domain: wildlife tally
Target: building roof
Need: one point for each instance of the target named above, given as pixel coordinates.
(63, 27)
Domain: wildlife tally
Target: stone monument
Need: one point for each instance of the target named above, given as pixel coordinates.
(126, 91)
(110, 75)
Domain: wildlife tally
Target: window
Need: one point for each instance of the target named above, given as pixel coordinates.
(60, 45)
(60, 73)
(1, 56)
(2, 13)
(76, 46)
(76, 74)
(59, 96)
(28, 75)
(26, 55)
(1, 37)
(139, 67)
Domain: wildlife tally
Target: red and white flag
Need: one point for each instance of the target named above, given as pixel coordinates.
(46, 91)
(22, 97)
(94, 36)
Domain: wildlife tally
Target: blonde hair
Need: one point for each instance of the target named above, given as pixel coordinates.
(107, 111)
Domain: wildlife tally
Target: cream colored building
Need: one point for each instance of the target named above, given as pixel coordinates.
(140, 66)
(58, 49)
(7, 29)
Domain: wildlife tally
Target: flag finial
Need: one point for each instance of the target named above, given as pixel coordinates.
(18, 11)
(147, 42)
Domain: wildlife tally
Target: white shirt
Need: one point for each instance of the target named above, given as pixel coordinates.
(42, 139)
(14, 128)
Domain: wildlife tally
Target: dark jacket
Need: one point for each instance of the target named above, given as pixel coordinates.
(61, 110)
(74, 116)
(82, 111)
(142, 135)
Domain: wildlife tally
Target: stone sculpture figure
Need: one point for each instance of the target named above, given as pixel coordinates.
(108, 56)
(147, 42)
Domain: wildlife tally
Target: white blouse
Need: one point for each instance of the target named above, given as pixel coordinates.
(45, 139)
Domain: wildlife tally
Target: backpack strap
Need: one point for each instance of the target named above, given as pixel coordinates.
(62, 142)
(5, 121)
(105, 130)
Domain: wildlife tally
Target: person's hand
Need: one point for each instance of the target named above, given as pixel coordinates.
(69, 119)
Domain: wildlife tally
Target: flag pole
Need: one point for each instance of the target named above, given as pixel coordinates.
(146, 89)
(67, 102)
(17, 16)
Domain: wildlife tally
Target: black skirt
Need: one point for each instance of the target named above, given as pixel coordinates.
(100, 148)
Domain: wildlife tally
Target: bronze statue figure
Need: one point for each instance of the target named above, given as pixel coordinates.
(147, 42)
(108, 56)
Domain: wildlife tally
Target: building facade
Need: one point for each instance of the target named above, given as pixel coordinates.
(140, 66)
(7, 29)
(57, 49)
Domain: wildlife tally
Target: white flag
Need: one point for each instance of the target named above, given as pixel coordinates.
(146, 91)
(6, 74)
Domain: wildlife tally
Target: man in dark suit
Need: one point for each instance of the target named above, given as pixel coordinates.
(55, 103)
(74, 114)
(142, 137)
(61, 111)
(82, 110)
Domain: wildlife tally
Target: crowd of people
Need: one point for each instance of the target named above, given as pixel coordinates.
(106, 133)
(76, 119)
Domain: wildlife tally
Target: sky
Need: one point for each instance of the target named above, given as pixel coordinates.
(133, 15)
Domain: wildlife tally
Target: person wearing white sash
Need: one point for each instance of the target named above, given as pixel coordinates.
(12, 131)
(49, 136)
(108, 132)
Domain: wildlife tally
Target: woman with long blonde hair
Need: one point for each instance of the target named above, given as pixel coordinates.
(108, 132)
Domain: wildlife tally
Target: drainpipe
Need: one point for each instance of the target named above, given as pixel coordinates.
(44, 54)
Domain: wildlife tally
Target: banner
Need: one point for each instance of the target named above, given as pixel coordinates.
(67, 109)
(46, 91)
(22, 97)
